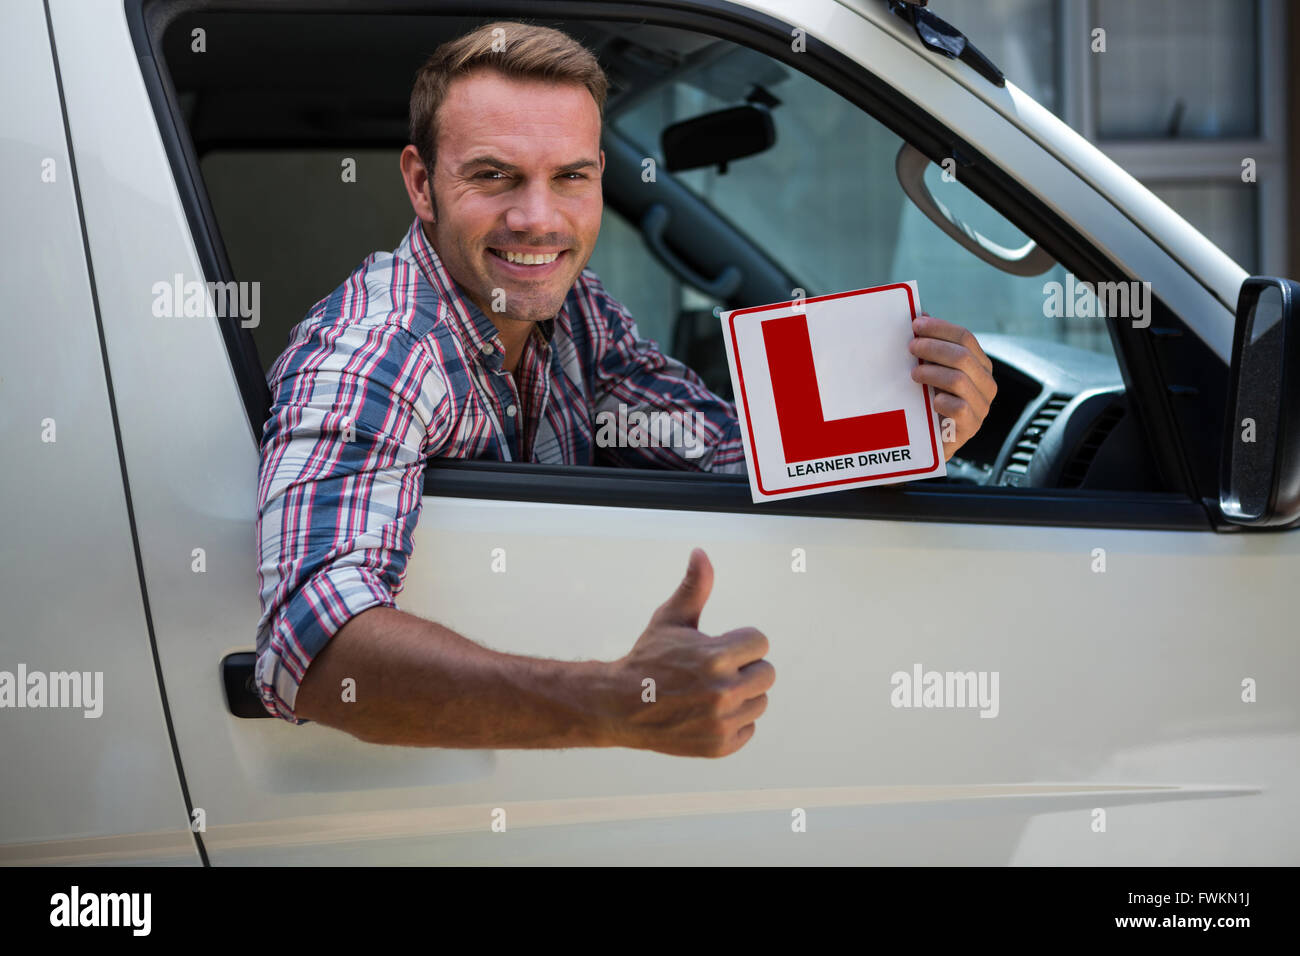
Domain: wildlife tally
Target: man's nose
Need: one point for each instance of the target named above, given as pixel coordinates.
(533, 210)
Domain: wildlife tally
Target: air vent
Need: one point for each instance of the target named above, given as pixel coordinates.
(1076, 469)
(1016, 471)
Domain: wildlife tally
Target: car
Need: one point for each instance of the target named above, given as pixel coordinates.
(1077, 647)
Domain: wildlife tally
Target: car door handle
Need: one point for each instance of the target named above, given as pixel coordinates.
(238, 676)
(1029, 260)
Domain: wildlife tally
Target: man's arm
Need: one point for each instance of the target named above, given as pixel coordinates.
(686, 426)
(420, 684)
(339, 495)
(339, 489)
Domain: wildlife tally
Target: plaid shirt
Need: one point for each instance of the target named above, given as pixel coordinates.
(398, 365)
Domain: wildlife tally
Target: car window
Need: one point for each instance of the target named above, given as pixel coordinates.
(651, 293)
(304, 185)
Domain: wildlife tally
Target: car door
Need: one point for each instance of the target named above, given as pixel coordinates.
(90, 774)
(1123, 629)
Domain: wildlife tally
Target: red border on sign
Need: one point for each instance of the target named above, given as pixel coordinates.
(740, 373)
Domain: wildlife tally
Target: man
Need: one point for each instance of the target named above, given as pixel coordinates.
(483, 336)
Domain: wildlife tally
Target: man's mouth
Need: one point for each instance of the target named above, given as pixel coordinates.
(526, 258)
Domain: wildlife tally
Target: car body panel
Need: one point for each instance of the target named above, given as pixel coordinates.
(75, 788)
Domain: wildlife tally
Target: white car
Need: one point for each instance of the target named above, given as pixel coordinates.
(1079, 647)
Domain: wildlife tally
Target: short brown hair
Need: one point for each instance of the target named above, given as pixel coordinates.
(523, 51)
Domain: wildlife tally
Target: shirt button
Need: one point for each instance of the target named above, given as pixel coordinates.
(487, 348)
(510, 410)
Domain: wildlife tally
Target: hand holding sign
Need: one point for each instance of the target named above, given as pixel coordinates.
(830, 395)
(960, 372)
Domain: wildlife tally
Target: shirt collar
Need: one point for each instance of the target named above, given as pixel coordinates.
(477, 332)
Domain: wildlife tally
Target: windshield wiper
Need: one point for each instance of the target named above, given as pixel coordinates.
(943, 38)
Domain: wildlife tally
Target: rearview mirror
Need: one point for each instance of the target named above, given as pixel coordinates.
(1259, 479)
(716, 139)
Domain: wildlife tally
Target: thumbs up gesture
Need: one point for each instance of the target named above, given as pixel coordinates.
(708, 691)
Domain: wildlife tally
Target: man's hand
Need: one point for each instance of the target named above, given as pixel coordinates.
(708, 690)
(962, 375)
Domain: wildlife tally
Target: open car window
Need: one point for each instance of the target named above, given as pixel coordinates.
(303, 185)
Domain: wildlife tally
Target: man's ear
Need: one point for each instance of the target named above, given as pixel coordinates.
(602, 162)
(418, 180)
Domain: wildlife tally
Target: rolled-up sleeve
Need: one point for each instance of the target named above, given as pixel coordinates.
(639, 387)
(339, 488)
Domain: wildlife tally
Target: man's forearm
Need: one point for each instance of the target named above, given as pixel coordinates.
(420, 684)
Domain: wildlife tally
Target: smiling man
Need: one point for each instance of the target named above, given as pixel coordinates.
(484, 336)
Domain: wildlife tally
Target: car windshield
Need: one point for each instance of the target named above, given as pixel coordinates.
(825, 202)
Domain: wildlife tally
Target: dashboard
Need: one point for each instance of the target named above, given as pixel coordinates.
(1061, 419)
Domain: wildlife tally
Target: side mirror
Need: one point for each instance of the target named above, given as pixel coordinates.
(716, 139)
(1259, 477)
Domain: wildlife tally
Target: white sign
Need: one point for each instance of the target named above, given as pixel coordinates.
(825, 395)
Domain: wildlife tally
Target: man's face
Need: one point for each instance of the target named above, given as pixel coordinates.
(517, 174)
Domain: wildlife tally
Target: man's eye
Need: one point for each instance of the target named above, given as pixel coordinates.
(488, 173)
(575, 176)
